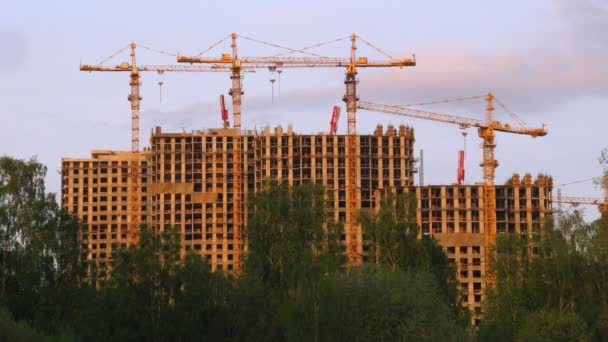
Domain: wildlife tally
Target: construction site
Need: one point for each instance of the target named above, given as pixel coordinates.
(198, 181)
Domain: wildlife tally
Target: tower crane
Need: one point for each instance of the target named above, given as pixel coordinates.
(351, 64)
(575, 201)
(134, 97)
(486, 130)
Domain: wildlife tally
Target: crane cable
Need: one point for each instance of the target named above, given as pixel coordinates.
(520, 121)
(579, 181)
(138, 45)
(302, 50)
(158, 51)
(289, 50)
(444, 101)
(214, 45)
(114, 55)
(513, 115)
(375, 48)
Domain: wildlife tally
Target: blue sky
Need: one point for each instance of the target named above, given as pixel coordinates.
(544, 59)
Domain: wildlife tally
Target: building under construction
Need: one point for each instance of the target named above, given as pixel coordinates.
(187, 181)
(454, 216)
(199, 181)
(98, 190)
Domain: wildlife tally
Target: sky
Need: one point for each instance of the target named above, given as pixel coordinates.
(544, 59)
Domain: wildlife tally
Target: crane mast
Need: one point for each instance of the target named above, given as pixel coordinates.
(487, 130)
(350, 98)
(135, 99)
(489, 165)
(236, 92)
(237, 87)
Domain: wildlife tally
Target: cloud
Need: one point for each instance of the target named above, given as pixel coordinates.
(587, 20)
(15, 50)
(258, 109)
(531, 81)
(534, 79)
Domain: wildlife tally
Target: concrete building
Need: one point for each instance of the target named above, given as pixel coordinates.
(453, 215)
(97, 190)
(187, 182)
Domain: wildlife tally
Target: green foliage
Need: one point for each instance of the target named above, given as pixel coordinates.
(372, 304)
(393, 234)
(294, 286)
(290, 240)
(551, 326)
(202, 307)
(393, 231)
(22, 332)
(24, 223)
(41, 262)
(566, 280)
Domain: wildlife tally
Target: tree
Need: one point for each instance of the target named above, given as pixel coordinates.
(201, 310)
(41, 262)
(135, 302)
(565, 277)
(393, 234)
(289, 237)
(510, 299)
(552, 326)
(392, 230)
(372, 303)
(23, 204)
(22, 332)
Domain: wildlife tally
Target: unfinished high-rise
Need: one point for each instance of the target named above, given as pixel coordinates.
(453, 215)
(98, 191)
(187, 182)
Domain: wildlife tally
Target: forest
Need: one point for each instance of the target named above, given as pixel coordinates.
(294, 286)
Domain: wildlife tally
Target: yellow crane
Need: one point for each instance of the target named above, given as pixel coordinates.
(576, 201)
(134, 97)
(486, 129)
(351, 64)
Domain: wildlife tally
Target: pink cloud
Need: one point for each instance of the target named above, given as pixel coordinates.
(534, 79)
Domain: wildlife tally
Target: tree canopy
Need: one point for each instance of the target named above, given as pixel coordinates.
(295, 285)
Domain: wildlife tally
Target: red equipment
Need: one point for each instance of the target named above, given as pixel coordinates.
(333, 124)
(460, 172)
(224, 112)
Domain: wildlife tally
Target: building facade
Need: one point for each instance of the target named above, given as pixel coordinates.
(188, 182)
(98, 191)
(453, 215)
